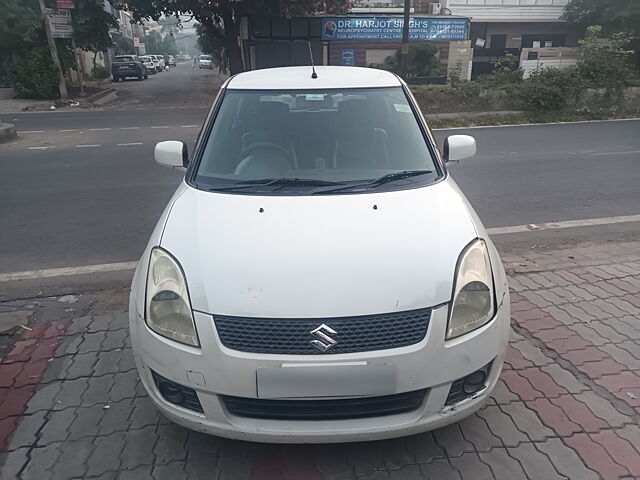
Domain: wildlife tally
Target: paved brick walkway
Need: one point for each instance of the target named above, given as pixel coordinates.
(567, 406)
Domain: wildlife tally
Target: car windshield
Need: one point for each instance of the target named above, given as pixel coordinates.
(205, 57)
(124, 58)
(315, 142)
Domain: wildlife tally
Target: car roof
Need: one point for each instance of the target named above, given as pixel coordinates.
(299, 78)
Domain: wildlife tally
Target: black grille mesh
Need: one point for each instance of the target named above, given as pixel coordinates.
(353, 334)
(333, 409)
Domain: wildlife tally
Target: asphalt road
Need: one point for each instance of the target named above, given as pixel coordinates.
(91, 193)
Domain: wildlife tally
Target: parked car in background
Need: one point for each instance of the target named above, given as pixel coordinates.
(158, 61)
(125, 66)
(204, 61)
(149, 64)
(318, 276)
(172, 61)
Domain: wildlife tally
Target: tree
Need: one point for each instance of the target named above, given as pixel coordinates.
(221, 19)
(91, 24)
(615, 16)
(212, 45)
(169, 45)
(152, 43)
(20, 26)
(123, 45)
(421, 60)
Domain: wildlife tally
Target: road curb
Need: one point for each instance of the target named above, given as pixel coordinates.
(7, 132)
(99, 97)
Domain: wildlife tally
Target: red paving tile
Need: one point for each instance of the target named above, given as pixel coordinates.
(31, 373)
(266, 463)
(520, 385)
(579, 413)
(619, 381)
(8, 372)
(589, 354)
(300, 464)
(15, 401)
(596, 457)
(619, 449)
(21, 351)
(543, 382)
(514, 358)
(606, 366)
(554, 417)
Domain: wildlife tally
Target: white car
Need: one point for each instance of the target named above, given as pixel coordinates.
(318, 276)
(149, 64)
(204, 61)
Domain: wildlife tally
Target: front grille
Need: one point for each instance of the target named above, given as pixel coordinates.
(334, 409)
(353, 334)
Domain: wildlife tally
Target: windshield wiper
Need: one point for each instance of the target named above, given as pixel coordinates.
(275, 182)
(390, 177)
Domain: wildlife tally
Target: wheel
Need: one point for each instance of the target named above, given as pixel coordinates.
(146, 75)
(141, 77)
(116, 79)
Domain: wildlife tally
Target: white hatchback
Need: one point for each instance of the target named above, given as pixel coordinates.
(318, 276)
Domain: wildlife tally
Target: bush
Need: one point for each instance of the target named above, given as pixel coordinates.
(551, 89)
(99, 72)
(605, 60)
(421, 60)
(33, 75)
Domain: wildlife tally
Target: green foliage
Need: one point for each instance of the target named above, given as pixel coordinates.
(20, 26)
(169, 46)
(152, 43)
(614, 15)
(551, 89)
(99, 72)
(605, 59)
(124, 45)
(211, 44)
(33, 74)
(91, 24)
(506, 71)
(421, 60)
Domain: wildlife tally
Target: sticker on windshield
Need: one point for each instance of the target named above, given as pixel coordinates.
(314, 97)
(402, 107)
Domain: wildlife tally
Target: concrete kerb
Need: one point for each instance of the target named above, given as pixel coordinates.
(7, 132)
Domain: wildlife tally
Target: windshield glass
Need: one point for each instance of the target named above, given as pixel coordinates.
(124, 58)
(315, 142)
(205, 57)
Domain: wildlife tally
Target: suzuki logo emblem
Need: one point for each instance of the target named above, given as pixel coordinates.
(323, 341)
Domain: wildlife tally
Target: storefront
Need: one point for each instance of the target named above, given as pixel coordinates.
(349, 40)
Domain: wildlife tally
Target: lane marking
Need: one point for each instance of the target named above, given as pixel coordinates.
(87, 146)
(122, 266)
(128, 144)
(189, 126)
(616, 153)
(129, 128)
(38, 148)
(99, 129)
(590, 222)
(30, 131)
(66, 271)
(70, 130)
(534, 124)
(161, 126)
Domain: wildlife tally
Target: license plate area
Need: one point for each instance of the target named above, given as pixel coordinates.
(325, 381)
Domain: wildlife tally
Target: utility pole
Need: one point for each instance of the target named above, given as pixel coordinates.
(404, 51)
(62, 84)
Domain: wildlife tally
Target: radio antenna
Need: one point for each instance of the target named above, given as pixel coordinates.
(313, 67)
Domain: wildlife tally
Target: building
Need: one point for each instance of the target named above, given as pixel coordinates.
(499, 26)
(351, 40)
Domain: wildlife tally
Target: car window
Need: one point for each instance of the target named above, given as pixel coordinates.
(348, 138)
(124, 58)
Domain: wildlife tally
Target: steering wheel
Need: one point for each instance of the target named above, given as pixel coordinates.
(274, 147)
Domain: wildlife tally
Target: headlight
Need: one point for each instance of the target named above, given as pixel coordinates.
(168, 309)
(473, 293)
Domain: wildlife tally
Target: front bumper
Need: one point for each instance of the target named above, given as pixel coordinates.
(216, 370)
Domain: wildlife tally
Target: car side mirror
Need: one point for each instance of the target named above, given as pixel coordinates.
(457, 147)
(171, 154)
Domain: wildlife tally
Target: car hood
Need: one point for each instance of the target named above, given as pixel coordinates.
(319, 256)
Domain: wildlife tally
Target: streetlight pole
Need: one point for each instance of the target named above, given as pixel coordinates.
(62, 84)
(404, 51)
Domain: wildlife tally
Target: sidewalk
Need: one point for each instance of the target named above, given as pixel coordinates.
(567, 406)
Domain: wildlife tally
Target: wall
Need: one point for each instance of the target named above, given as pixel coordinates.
(361, 47)
(523, 10)
(460, 59)
(514, 31)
